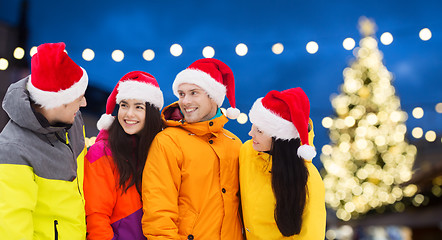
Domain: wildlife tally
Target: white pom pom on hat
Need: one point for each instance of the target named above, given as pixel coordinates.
(215, 77)
(285, 115)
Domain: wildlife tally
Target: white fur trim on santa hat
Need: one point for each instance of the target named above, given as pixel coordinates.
(232, 113)
(214, 89)
(140, 90)
(271, 123)
(105, 121)
(306, 152)
(49, 100)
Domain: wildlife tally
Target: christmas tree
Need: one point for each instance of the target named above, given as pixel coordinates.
(368, 158)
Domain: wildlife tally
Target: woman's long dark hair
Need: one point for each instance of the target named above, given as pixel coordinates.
(289, 182)
(130, 151)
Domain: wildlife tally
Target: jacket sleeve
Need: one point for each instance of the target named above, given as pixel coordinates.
(18, 197)
(161, 184)
(314, 216)
(99, 193)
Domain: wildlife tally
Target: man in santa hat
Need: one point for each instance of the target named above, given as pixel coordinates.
(190, 180)
(42, 149)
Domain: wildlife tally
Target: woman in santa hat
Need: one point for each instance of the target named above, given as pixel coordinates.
(114, 164)
(282, 193)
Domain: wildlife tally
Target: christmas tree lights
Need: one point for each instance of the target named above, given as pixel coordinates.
(368, 159)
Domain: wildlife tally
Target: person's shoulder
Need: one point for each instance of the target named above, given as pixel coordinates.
(232, 136)
(171, 133)
(14, 134)
(314, 175)
(247, 147)
(13, 150)
(99, 145)
(98, 150)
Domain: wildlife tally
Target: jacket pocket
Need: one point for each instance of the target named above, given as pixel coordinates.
(187, 222)
(55, 230)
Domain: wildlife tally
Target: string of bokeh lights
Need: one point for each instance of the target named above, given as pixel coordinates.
(241, 49)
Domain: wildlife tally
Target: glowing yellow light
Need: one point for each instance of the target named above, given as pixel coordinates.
(33, 51)
(241, 49)
(344, 147)
(346, 230)
(357, 190)
(386, 38)
(312, 47)
(425, 34)
(330, 234)
(242, 118)
(327, 122)
(439, 107)
(383, 196)
(437, 191)
(380, 140)
(342, 214)
(277, 48)
(410, 190)
(349, 121)
(401, 128)
(418, 112)
(361, 174)
(430, 136)
(345, 137)
(398, 137)
(395, 116)
(356, 113)
(19, 53)
(369, 43)
(349, 207)
(339, 123)
(417, 132)
(88, 54)
(405, 176)
(148, 55)
(117, 55)
(372, 119)
(397, 192)
(3, 64)
(361, 131)
(355, 51)
(208, 52)
(438, 181)
(361, 144)
(419, 198)
(382, 116)
(90, 141)
(400, 207)
(327, 149)
(348, 43)
(176, 50)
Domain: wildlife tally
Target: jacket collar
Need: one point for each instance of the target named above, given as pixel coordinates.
(172, 117)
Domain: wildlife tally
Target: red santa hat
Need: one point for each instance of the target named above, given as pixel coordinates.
(134, 85)
(215, 77)
(284, 115)
(55, 79)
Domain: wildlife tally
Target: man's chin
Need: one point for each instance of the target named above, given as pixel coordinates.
(190, 119)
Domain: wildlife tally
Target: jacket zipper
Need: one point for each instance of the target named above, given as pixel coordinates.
(55, 229)
(74, 158)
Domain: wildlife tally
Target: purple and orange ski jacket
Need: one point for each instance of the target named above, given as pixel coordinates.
(111, 213)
